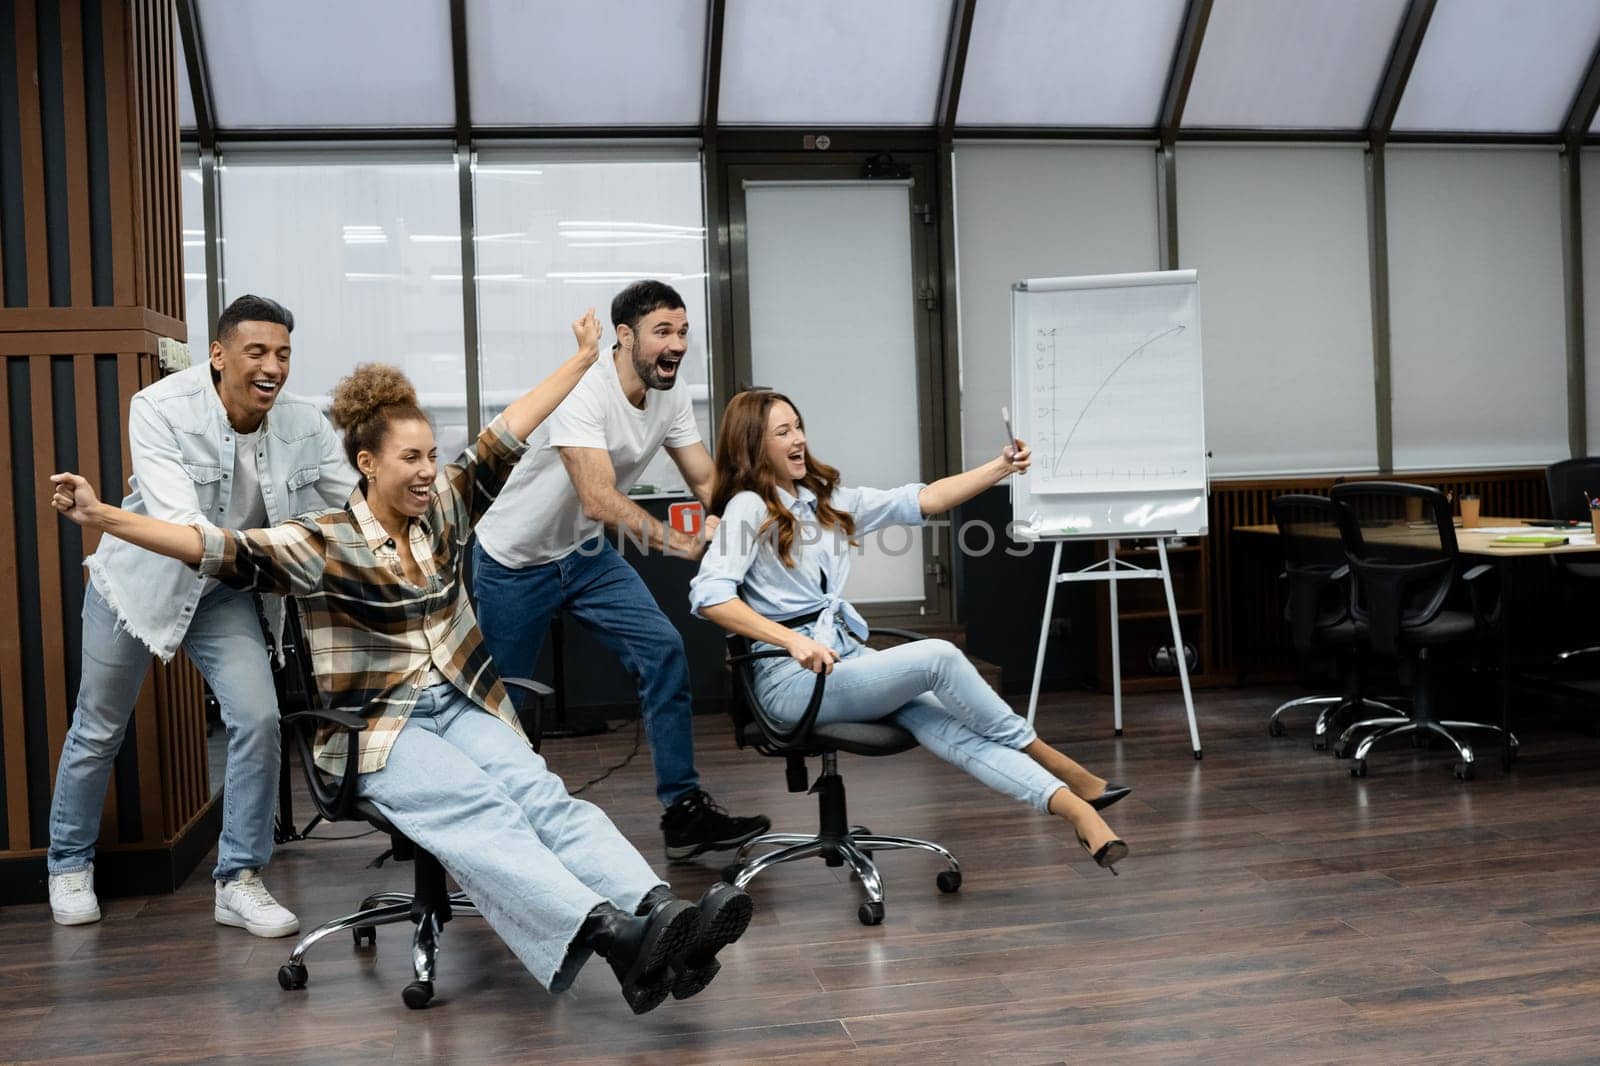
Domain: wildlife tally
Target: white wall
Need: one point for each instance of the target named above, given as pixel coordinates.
(1028, 211)
(1279, 237)
(1478, 334)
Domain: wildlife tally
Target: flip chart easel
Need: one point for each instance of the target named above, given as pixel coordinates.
(1107, 387)
(1112, 570)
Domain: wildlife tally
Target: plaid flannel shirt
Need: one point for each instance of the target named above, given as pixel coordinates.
(373, 635)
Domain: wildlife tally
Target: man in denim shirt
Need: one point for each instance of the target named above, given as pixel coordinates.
(204, 449)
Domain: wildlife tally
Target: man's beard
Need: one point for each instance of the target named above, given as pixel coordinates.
(651, 376)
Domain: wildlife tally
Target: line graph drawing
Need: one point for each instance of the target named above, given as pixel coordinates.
(1124, 361)
(1112, 384)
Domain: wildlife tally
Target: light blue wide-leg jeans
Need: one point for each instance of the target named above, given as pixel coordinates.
(929, 688)
(462, 785)
(225, 642)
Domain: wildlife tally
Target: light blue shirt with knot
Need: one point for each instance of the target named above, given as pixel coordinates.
(743, 559)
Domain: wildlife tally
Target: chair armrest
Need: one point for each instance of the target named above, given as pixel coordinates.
(538, 688)
(347, 720)
(333, 803)
(540, 692)
(1483, 585)
(801, 731)
(902, 634)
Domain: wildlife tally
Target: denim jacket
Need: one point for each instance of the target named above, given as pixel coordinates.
(182, 449)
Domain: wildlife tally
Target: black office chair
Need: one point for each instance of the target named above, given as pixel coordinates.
(1317, 609)
(836, 841)
(430, 903)
(1570, 482)
(1400, 543)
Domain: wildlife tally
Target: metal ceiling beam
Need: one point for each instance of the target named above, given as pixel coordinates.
(1181, 76)
(1407, 43)
(1581, 116)
(458, 64)
(955, 67)
(194, 56)
(716, 18)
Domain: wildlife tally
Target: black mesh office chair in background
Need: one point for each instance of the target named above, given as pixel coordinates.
(1570, 483)
(1317, 610)
(836, 841)
(1400, 542)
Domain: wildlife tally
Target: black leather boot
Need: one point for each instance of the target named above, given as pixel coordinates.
(641, 950)
(724, 916)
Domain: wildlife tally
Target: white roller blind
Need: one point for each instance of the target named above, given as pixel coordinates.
(1279, 236)
(1479, 348)
(1035, 211)
(1591, 294)
(831, 326)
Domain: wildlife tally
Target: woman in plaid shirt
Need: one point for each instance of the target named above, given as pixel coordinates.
(443, 757)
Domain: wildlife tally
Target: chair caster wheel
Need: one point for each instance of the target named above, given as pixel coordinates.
(291, 975)
(1274, 728)
(1341, 752)
(1319, 743)
(870, 913)
(860, 831)
(731, 872)
(1464, 771)
(417, 994)
(364, 934)
(948, 881)
(1358, 768)
(1197, 755)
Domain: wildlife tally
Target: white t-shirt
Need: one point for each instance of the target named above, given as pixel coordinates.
(538, 517)
(246, 507)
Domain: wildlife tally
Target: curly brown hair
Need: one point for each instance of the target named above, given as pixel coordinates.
(366, 402)
(741, 465)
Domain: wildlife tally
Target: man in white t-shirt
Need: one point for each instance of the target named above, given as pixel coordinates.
(542, 546)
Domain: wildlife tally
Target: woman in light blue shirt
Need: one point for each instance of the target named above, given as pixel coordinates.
(776, 570)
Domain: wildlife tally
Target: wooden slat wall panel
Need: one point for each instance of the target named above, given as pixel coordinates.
(121, 139)
(77, 154)
(49, 350)
(50, 618)
(11, 721)
(31, 123)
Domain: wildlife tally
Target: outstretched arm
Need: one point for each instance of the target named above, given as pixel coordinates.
(75, 499)
(531, 408)
(957, 489)
(287, 559)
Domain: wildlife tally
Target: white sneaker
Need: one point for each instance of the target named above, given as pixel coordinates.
(72, 898)
(246, 904)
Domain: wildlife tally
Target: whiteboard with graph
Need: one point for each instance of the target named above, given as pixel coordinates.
(1107, 388)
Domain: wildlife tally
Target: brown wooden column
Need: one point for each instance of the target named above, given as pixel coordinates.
(91, 279)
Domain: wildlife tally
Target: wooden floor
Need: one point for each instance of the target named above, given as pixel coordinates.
(1273, 910)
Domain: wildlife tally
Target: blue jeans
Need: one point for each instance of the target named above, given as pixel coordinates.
(930, 689)
(225, 642)
(461, 784)
(515, 608)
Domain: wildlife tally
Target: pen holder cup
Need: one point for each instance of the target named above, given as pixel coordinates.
(1413, 509)
(1594, 520)
(1470, 512)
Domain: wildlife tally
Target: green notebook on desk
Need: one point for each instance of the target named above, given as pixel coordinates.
(1529, 540)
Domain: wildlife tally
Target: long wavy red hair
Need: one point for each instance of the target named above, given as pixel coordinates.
(742, 465)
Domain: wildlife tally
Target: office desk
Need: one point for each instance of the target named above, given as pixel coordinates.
(1476, 544)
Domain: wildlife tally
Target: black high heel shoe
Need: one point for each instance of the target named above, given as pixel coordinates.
(1111, 852)
(1112, 794)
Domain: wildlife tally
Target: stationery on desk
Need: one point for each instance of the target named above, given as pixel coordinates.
(1529, 540)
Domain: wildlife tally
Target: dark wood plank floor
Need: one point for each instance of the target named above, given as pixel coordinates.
(1273, 910)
